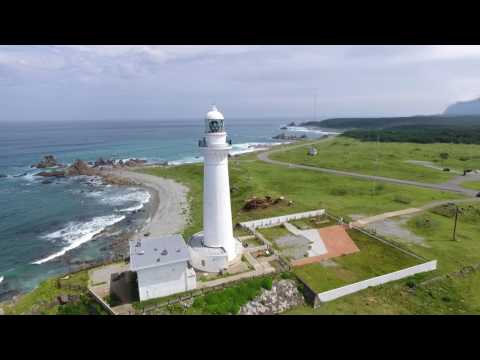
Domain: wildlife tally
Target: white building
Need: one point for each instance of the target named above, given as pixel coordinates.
(162, 265)
(213, 249)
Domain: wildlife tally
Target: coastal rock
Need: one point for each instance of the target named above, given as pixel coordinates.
(102, 162)
(283, 296)
(51, 174)
(47, 162)
(134, 162)
(80, 167)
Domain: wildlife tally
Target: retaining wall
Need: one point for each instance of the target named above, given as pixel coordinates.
(375, 281)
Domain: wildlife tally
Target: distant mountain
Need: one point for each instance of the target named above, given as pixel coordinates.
(471, 107)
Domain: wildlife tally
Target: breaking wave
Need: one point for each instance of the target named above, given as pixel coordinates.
(77, 233)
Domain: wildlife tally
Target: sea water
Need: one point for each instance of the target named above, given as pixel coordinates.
(46, 228)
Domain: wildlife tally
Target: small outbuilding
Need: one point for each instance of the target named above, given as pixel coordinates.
(163, 266)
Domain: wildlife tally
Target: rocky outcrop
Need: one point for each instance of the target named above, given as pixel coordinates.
(51, 174)
(283, 296)
(102, 162)
(80, 167)
(48, 161)
(134, 162)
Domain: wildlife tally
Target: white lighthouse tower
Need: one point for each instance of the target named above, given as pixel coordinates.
(215, 248)
(217, 211)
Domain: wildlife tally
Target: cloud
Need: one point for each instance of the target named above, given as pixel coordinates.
(161, 80)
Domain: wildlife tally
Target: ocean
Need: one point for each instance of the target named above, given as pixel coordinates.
(46, 229)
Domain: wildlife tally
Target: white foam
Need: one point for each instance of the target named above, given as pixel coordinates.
(315, 131)
(140, 196)
(1, 279)
(76, 234)
(143, 200)
(237, 149)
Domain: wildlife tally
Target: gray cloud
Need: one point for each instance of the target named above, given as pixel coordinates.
(108, 82)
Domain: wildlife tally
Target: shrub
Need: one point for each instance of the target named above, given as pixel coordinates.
(339, 192)
(411, 284)
(444, 155)
(267, 283)
(287, 275)
(402, 199)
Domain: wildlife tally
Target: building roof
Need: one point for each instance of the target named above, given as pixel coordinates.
(157, 251)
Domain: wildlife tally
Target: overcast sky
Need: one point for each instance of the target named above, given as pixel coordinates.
(164, 82)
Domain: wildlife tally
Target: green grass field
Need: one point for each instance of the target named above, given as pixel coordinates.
(387, 159)
(474, 185)
(308, 190)
(373, 259)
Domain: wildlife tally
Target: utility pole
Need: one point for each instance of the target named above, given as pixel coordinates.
(457, 211)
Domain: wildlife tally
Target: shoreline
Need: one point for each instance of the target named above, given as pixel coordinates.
(168, 208)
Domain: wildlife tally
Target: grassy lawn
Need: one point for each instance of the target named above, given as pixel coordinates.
(308, 190)
(457, 293)
(373, 259)
(474, 185)
(274, 233)
(42, 300)
(387, 159)
(454, 295)
(312, 223)
(436, 227)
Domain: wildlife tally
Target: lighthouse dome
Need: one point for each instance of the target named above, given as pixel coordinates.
(214, 114)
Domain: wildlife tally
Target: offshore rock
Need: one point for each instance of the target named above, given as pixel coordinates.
(51, 174)
(80, 167)
(48, 161)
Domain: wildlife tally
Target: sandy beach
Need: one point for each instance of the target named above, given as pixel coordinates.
(169, 203)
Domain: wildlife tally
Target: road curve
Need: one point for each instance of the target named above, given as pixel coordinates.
(451, 187)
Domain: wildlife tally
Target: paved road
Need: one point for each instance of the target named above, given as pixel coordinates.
(452, 186)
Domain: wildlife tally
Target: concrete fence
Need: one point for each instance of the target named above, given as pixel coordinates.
(375, 281)
(102, 302)
(274, 221)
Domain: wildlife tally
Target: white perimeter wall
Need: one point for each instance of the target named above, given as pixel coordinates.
(375, 281)
(274, 221)
(165, 280)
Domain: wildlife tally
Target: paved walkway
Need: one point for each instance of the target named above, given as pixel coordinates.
(313, 235)
(337, 242)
